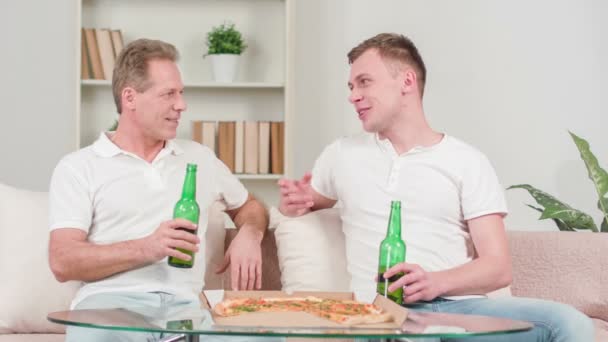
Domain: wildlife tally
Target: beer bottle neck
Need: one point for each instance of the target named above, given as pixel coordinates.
(394, 222)
(189, 189)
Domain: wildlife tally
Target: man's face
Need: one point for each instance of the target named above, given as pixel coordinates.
(159, 108)
(374, 91)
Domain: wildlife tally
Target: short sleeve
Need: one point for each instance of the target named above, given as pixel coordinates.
(323, 181)
(70, 203)
(482, 193)
(231, 191)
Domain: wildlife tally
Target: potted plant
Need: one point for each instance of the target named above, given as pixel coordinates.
(225, 45)
(566, 217)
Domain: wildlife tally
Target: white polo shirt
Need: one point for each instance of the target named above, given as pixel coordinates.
(440, 187)
(114, 195)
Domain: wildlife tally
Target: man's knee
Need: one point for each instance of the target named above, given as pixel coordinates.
(569, 324)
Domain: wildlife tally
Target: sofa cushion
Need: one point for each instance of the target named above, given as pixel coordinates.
(311, 252)
(574, 263)
(28, 290)
(601, 330)
(214, 245)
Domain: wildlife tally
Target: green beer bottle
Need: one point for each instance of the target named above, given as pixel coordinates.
(392, 252)
(188, 209)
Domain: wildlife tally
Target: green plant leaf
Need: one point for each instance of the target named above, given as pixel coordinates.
(560, 224)
(604, 226)
(596, 173)
(225, 39)
(555, 209)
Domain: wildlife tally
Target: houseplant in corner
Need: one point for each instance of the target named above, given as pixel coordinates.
(225, 45)
(565, 217)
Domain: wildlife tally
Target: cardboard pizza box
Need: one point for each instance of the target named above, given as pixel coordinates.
(294, 319)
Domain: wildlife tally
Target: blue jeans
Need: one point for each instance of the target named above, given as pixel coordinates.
(555, 322)
(148, 302)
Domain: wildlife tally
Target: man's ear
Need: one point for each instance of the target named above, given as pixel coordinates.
(409, 81)
(127, 98)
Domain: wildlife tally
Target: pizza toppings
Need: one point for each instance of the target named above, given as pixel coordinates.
(348, 312)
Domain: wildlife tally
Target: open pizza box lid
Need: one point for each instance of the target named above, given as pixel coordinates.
(294, 319)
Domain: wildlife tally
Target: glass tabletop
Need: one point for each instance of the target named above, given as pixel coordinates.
(200, 322)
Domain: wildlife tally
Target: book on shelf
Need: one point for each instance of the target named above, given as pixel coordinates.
(251, 147)
(246, 147)
(210, 135)
(117, 42)
(277, 141)
(197, 131)
(93, 53)
(99, 49)
(85, 72)
(106, 52)
(264, 147)
(239, 147)
(204, 132)
(225, 143)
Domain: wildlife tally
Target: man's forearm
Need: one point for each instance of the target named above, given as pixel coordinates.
(88, 262)
(480, 276)
(253, 216)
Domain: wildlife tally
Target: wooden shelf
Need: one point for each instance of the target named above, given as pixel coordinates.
(263, 92)
(209, 85)
(258, 177)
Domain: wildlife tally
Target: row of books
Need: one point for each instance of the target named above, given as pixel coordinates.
(253, 147)
(99, 49)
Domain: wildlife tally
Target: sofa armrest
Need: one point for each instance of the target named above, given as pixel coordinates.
(568, 267)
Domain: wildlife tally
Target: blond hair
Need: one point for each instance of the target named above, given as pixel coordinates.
(131, 67)
(393, 47)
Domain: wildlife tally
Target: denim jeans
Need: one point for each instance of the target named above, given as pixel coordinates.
(552, 321)
(150, 301)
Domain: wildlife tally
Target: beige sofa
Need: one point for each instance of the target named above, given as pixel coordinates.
(567, 267)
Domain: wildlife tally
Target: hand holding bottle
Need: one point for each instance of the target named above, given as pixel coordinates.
(392, 252)
(188, 210)
(169, 236)
(417, 284)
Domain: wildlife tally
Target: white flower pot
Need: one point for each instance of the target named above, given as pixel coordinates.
(224, 67)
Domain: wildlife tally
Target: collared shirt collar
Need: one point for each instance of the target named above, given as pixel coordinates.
(387, 146)
(104, 147)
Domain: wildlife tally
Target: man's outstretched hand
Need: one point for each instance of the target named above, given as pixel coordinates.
(296, 196)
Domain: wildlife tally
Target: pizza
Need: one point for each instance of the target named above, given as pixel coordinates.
(347, 312)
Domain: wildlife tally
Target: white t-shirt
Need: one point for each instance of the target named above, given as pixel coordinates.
(440, 187)
(114, 196)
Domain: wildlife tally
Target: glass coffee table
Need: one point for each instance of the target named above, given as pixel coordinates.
(188, 326)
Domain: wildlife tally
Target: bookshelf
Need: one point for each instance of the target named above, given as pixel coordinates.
(234, 85)
(261, 92)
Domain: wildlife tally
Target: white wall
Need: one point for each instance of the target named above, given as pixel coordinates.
(510, 77)
(38, 89)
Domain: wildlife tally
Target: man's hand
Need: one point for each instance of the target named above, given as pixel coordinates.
(417, 283)
(296, 196)
(167, 237)
(244, 255)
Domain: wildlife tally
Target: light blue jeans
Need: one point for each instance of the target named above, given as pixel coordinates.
(149, 302)
(553, 322)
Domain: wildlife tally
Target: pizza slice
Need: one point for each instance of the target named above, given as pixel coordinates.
(346, 312)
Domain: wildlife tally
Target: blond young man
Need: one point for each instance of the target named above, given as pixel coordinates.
(111, 202)
(453, 203)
